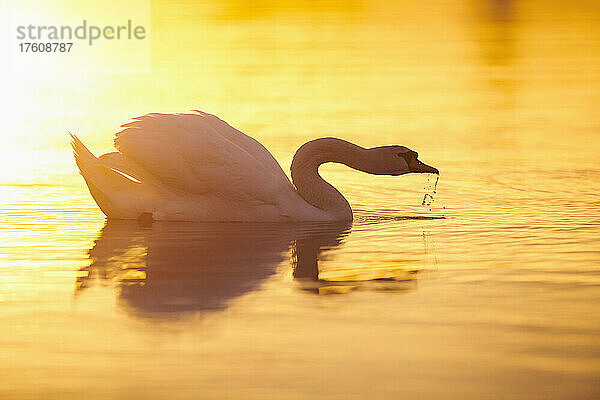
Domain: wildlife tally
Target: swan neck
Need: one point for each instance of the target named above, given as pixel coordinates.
(309, 183)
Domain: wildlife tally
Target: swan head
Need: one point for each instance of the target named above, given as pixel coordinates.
(397, 160)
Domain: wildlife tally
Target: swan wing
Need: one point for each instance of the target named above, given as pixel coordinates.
(196, 154)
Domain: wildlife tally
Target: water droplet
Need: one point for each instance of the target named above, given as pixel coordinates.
(430, 189)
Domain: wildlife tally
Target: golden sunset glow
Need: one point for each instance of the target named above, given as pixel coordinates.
(491, 291)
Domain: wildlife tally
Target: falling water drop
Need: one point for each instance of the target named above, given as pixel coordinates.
(430, 191)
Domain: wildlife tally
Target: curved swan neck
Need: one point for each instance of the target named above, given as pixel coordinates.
(314, 189)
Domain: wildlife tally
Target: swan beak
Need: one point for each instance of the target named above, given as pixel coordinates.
(420, 167)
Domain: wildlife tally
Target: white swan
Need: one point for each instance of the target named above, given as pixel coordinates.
(196, 167)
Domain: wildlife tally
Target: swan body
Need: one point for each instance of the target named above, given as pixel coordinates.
(196, 167)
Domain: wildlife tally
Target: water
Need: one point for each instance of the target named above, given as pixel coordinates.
(491, 291)
(430, 191)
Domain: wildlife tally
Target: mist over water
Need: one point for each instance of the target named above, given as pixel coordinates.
(485, 284)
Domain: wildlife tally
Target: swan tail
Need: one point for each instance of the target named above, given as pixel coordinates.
(117, 194)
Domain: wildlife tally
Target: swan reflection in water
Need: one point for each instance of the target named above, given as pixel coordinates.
(167, 269)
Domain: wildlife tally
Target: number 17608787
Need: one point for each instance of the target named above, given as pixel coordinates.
(55, 47)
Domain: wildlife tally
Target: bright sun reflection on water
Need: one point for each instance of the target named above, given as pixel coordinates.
(490, 292)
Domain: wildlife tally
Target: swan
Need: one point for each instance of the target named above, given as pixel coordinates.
(196, 167)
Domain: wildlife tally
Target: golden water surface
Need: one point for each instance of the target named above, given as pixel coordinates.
(491, 293)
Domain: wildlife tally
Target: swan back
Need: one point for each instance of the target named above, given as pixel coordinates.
(197, 153)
